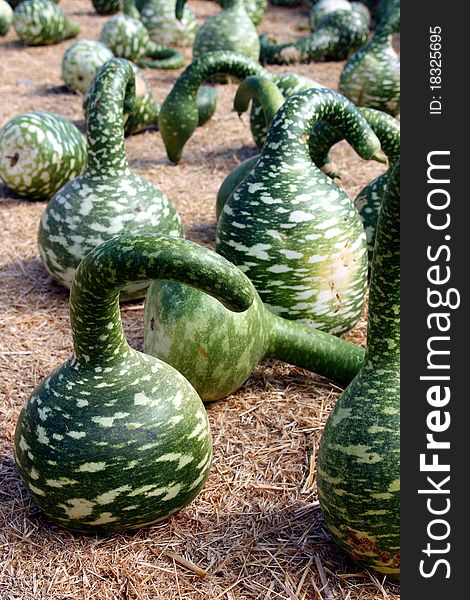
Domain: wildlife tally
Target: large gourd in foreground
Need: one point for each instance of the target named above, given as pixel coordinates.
(108, 199)
(293, 231)
(359, 455)
(115, 439)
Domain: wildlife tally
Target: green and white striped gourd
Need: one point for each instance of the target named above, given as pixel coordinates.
(179, 113)
(216, 350)
(358, 466)
(159, 18)
(293, 231)
(107, 7)
(41, 22)
(81, 62)
(39, 153)
(231, 29)
(115, 439)
(338, 35)
(254, 8)
(108, 199)
(323, 7)
(128, 38)
(6, 17)
(371, 77)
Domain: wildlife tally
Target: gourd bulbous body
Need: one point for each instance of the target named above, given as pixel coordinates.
(371, 77)
(39, 153)
(216, 349)
(254, 8)
(158, 16)
(6, 17)
(115, 439)
(338, 35)
(179, 115)
(291, 229)
(42, 22)
(108, 199)
(81, 62)
(323, 7)
(359, 456)
(231, 30)
(107, 7)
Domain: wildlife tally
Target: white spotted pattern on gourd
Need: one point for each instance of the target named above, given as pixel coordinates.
(41, 22)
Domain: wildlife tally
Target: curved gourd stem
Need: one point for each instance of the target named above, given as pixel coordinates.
(264, 90)
(179, 8)
(159, 56)
(134, 258)
(179, 115)
(111, 96)
(338, 35)
(314, 350)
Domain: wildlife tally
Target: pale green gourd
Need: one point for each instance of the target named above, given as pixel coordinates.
(163, 26)
(81, 62)
(41, 22)
(6, 17)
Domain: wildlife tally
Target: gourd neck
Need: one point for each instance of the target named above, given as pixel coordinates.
(111, 100)
(383, 336)
(294, 122)
(315, 350)
(98, 336)
(265, 91)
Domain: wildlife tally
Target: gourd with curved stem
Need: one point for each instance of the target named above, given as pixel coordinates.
(358, 470)
(163, 26)
(338, 35)
(115, 439)
(291, 229)
(179, 115)
(216, 350)
(41, 22)
(371, 77)
(254, 8)
(6, 17)
(39, 153)
(108, 199)
(81, 62)
(128, 38)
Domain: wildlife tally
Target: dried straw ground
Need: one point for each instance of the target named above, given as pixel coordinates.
(256, 529)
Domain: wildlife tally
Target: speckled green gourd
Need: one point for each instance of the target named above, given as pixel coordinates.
(338, 35)
(371, 77)
(6, 17)
(254, 8)
(216, 350)
(107, 7)
(39, 153)
(179, 114)
(14, 3)
(41, 22)
(115, 439)
(159, 18)
(231, 30)
(108, 199)
(128, 38)
(358, 472)
(293, 231)
(323, 7)
(81, 62)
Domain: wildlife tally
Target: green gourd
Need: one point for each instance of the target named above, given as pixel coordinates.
(115, 439)
(323, 7)
(231, 30)
(179, 114)
(371, 77)
(14, 3)
(216, 350)
(293, 231)
(39, 153)
(358, 462)
(338, 35)
(108, 199)
(159, 18)
(81, 62)
(6, 17)
(254, 8)
(41, 22)
(128, 38)
(107, 7)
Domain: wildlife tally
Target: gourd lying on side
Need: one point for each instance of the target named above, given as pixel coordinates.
(159, 18)
(115, 439)
(371, 77)
(179, 114)
(293, 231)
(6, 17)
(359, 457)
(128, 38)
(216, 350)
(108, 199)
(39, 153)
(338, 35)
(41, 22)
(81, 62)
